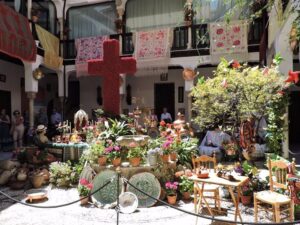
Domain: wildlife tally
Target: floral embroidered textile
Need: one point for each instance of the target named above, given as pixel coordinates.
(88, 48)
(152, 49)
(228, 38)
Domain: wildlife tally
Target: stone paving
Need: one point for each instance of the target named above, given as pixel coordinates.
(17, 214)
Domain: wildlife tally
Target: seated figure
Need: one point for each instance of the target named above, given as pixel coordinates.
(212, 143)
(42, 142)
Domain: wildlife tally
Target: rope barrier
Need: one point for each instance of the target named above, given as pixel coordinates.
(213, 218)
(56, 206)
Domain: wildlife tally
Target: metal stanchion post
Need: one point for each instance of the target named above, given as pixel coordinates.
(118, 170)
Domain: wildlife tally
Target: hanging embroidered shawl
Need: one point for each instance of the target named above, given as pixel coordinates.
(50, 44)
(88, 48)
(228, 38)
(15, 35)
(152, 51)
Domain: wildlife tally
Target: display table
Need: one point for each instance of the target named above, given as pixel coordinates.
(214, 179)
(71, 151)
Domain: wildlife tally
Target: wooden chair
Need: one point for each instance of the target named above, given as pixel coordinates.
(279, 202)
(211, 164)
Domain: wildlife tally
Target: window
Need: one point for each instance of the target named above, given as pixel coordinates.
(145, 14)
(92, 20)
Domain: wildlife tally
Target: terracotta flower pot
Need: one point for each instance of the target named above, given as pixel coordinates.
(165, 158)
(102, 160)
(186, 195)
(172, 199)
(116, 162)
(37, 180)
(84, 201)
(246, 200)
(135, 161)
(173, 156)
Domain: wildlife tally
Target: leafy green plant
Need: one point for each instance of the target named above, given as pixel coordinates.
(185, 185)
(136, 152)
(60, 174)
(113, 152)
(187, 148)
(115, 129)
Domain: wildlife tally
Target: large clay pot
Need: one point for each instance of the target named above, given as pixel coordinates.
(116, 162)
(246, 200)
(102, 160)
(173, 156)
(135, 161)
(84, 201)
(165, 158)
(186, 195)
(37, 180)
(172, 199)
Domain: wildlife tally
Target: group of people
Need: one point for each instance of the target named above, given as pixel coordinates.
(12, 130)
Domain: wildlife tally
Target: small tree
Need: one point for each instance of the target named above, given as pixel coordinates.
(236, 92)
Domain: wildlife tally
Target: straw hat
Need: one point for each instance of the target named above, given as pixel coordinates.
(41, 128)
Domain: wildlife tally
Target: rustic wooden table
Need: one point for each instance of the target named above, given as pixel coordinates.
(215, 180)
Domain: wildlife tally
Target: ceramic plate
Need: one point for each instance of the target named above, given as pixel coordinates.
(148, 183)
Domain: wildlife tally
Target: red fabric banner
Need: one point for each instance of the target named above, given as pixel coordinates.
(15, 35)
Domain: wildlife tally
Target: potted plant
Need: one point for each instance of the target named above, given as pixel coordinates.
(98, 149)
(60, 174)
(171, 189)
(174, 149)
(114, 154)
(166, 149)
(186, 187)
(135, 154)
(247, 193)
(84, 189)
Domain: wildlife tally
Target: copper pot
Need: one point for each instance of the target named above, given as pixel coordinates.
(188, 74)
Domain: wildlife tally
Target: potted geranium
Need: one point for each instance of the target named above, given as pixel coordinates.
(247, 193)
(135, 154)
(166, 149)
(84, 189)
(113, 152)
(171, 189)
(185, 187)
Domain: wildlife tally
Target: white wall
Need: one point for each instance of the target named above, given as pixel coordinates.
(13, 73)
(144, 87)
(88, 93)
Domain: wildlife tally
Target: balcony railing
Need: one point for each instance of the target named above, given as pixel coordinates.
(200, 43)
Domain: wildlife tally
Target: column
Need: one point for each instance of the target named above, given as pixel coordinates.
(282, 46)
(31, 86)
(61, 87)
(31, 96)
(189, 44)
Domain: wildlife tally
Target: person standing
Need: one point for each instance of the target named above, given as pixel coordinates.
(4, 129)
(55, 120)
(165, 116)
(17, 129)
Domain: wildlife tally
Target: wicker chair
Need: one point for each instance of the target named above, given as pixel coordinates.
(279, 203)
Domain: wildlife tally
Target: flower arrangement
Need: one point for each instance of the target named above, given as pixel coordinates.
(113, 151)
(247, 190)
(84, 187)
(171, 187)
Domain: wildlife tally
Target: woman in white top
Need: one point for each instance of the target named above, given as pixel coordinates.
(17, 129)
